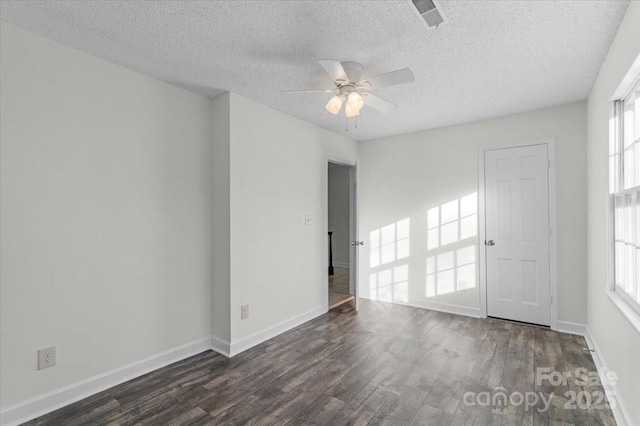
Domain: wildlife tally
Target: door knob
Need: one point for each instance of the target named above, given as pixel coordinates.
(490, 243)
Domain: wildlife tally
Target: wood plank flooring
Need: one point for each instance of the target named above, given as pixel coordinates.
(385, 364)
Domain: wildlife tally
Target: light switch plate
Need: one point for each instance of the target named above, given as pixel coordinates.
(308, 220)
(244, 311)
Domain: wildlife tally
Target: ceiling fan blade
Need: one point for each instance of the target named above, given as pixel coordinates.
(389, 79)
(309, 91)
(334, 69)
(377, 103)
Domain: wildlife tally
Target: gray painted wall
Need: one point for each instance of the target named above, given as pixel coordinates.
(339, 212)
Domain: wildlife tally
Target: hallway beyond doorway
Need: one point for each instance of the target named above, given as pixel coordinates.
(339, 287)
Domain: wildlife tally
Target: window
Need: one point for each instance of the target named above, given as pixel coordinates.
(624, 190)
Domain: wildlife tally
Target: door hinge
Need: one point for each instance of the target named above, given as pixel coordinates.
(548, 164)
(550, 299)
(550, 231)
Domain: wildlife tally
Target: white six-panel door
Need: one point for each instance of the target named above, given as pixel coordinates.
(517, 234)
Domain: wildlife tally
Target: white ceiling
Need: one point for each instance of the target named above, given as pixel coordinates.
(492, 58)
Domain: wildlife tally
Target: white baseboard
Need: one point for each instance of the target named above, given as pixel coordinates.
(53, 400)
(572, 328)
(43, 404)
(445, 307)
(221, 346)
(619, 411)
(439, 306)
(48, 402)
(341, 264)
(264, 335)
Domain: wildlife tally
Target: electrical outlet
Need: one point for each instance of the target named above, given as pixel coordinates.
(244, 311)
(308, 220)
(46, 357)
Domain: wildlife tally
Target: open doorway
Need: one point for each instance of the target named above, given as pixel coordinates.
(341, 234)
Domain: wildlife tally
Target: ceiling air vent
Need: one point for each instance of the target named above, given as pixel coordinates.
(430, 11)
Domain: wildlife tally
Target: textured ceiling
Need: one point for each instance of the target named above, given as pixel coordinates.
(492, 58)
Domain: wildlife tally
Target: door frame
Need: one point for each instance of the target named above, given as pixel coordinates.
(353, 227)
(550, 142)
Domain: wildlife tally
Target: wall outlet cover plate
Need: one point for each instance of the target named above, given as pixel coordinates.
(46, 357)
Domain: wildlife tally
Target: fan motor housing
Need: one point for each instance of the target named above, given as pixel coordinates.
(345, 89)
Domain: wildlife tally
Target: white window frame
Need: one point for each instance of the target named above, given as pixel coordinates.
(626, 305)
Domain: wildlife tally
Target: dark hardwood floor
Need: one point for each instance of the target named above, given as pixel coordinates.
(386, 364)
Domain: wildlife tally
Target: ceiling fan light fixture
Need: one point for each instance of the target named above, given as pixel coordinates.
(334, 105)
(350, 112)
(355, 101)
(352, 91)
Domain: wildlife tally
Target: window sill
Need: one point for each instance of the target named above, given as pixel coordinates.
(627, 311)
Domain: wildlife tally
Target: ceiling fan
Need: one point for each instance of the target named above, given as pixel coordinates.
(353, 89)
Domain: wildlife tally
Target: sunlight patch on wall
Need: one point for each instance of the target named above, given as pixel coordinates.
(451, 265)
(451, 222)
(390, 285)
(389, 243)
(451, 271)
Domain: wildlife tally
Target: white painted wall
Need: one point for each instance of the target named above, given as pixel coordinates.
(402, 177)
(614, 336)
(339, 198)
(221, 259)
(106, 206)
(108, 225)
(278, 174)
